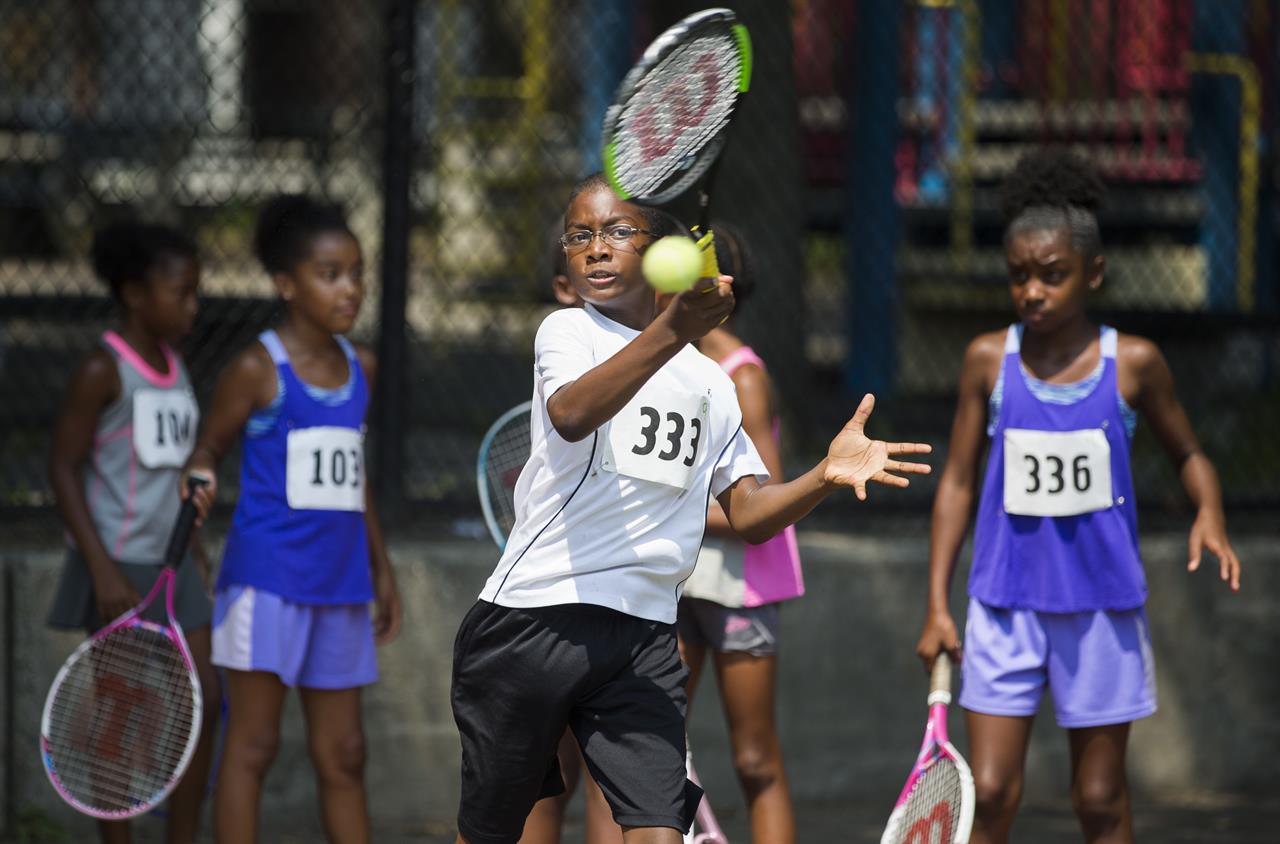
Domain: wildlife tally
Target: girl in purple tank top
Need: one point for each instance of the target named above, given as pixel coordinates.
(304, 554)
(127, 425)
(1057, 587)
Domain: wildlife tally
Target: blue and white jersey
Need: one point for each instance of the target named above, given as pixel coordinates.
(299, 526)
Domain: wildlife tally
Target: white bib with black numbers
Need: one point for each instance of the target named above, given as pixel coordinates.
(657, 436)
(1056, 473)
(164, 427)
(325, 469)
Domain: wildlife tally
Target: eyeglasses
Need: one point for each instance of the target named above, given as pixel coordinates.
(617, 235)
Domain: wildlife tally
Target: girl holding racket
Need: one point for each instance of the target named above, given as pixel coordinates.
(127, 426)
(632, 429)
(731, 603)
(305, 554)
(1057, 586)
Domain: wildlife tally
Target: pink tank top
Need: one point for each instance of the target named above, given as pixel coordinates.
(736, 574)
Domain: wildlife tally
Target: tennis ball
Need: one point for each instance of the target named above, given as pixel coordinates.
(672, 264)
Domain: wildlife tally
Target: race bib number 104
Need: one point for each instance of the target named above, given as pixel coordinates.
(325, 469)
(1056, 473)
(164, 427)
(657, 437)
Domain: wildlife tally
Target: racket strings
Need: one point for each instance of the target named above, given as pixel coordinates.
(658, 128)
(932, 810)
(121, 720)
(508, 452)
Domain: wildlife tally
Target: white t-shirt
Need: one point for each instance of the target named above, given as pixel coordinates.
(616, 519)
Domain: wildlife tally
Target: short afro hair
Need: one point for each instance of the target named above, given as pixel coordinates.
(286, 226)
(127, 251)
(1054, 188)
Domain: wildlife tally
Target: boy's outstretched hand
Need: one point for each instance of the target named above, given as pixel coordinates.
(855, 460)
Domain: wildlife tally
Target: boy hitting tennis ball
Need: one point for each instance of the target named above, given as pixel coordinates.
(633, 430)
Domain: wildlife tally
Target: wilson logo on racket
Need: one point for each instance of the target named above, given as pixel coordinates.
(922, 832)
(936, 804)
(125, 707)
(670, 115)
(675, 100)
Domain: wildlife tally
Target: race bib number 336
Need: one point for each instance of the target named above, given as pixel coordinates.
(325, 469)
(1056, 473)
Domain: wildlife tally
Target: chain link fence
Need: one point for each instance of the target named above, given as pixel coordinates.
(863, 172)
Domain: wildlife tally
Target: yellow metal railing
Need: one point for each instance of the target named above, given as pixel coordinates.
(518, 134)
(1230, 64)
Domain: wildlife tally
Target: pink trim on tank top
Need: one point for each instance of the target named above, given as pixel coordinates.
(771, 570)
(144, 369)
(129, 504)
(92, 492)
(120, 433)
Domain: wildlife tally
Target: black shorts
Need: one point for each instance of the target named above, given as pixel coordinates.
(75, 607)
(520, 676)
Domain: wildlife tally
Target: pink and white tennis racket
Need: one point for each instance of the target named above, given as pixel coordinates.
(122, 718)
(705, 829)
(936, 804)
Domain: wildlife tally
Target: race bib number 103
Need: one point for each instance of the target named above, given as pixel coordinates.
(1056, 473)
(325, 469)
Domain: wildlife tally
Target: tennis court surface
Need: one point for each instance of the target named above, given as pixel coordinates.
(1203, 820)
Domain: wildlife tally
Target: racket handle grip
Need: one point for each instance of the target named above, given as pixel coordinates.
(707, 243)
(940, 680)
(181, 536)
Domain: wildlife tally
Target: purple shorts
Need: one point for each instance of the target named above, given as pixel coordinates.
(312, 646)
(1098, 664)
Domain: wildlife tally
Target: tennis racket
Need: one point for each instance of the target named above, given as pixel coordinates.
(706, 829)
(503, 453)
(670, 116)
(936, 804)
(122, 718)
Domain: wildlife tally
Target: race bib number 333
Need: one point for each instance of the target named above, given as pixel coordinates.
(1056, 473)
(325, 469)
(657, 437)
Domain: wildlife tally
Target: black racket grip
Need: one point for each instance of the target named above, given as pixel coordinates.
(181, 536)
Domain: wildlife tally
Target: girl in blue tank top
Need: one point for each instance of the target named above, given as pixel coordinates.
(1057, 586)
(304, 555)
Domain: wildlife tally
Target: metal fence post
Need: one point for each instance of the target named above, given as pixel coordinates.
(1216, 103)
(8, 633)
(871, 231)
(397, 170)
(607, 27)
